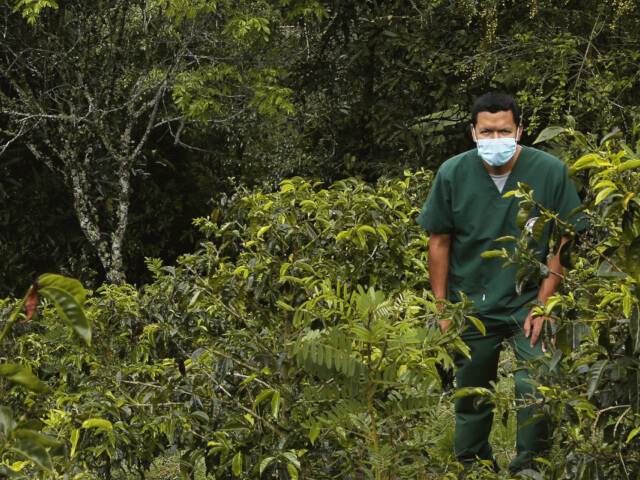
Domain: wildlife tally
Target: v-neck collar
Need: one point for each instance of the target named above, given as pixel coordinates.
(509, 184)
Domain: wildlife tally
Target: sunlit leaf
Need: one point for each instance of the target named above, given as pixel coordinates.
(468, 391)
(97, 423)
(263, 395)
(69, 309)
(75, 436)
(70, 285)
(237, 464)
(293, 472)
(493, 254)
(275, 404)
(265, 463)
(628, 165)
(478, 324)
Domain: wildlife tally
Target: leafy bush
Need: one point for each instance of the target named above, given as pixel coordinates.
(592, 399)
(297, 342)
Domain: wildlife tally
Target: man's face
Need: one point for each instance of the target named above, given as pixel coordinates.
(496, 125)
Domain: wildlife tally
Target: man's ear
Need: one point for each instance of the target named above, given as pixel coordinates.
(473, 133)
(520, 129)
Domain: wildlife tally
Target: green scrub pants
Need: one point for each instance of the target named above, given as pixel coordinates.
(474, 425)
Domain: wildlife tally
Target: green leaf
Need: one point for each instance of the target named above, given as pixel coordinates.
(75, 436)
(575, 330)
(529, 473)
(262, 396)
(565, 254)
(22, 376)
(34, 452)
(634, 328)
(549, 133)
(616, 133)
(468, 391)
(7, 423)
(562, 340)
(70, 285)
(285, 306)
(478, 324)
(46, 441)
(292, 458)
(237, 464)
(263, 230)
(293, 472)
(632, 434)
(313, 433)
(8, 473)
(265, 463)
(493, 254)
(523, 215)
(201, 415)
(628, 165)
(538, 228)
(367, 228)
(634, 391)
(275, 404)
(69, 309)
(604, 193)
(97, 423)
(590, 160)
(606, 270)
(632, 258)
(596, 372)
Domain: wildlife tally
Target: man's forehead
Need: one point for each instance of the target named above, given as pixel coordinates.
(498, 119)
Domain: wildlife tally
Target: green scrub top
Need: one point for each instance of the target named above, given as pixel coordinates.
(465, 202)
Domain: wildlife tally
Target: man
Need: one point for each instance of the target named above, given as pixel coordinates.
(464, 214)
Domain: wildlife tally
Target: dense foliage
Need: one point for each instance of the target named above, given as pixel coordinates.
(165, 101)
(298, 339)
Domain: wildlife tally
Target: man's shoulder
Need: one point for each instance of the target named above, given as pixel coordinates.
(454, 164)
(542, 159)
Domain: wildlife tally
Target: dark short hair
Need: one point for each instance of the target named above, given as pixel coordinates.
(494, 102)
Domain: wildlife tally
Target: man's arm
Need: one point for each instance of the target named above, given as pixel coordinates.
(439, 248)
(533, 327)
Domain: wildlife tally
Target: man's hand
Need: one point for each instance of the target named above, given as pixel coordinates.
(533, 327)
(444, 324)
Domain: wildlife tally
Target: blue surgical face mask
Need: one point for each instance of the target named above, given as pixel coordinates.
(497, 151)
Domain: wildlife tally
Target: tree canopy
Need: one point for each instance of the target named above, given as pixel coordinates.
(112, 107)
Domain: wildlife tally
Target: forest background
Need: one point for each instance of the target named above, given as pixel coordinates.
(281, 338)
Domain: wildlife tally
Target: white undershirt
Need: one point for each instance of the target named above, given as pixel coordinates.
(500, 180)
